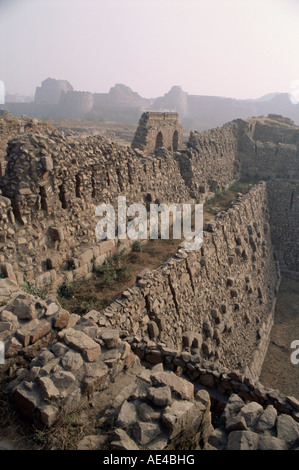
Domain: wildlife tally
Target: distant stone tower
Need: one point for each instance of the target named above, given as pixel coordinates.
(51, 90)
(157, 130)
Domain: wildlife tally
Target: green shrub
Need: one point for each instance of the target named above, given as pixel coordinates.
(238, 187)
(113, 269)
(32, 289)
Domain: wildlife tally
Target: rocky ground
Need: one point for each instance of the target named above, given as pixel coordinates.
(146, 406)
(251, 427)
(121, 133)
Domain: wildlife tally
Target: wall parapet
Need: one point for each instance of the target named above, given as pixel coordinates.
(203, 301)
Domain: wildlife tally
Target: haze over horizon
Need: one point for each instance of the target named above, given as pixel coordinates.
(223, 48)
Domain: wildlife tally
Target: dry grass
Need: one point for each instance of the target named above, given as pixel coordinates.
(67, 431)
(268, 120)
(223, 199)
(121, 133)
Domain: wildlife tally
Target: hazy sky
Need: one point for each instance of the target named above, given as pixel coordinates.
(232, 48)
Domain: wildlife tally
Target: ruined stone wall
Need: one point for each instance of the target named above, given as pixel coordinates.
(54, 183)
(156, 130)
(51, 90)
(76, 104)
(268, 148)
(267, 159)
(210, 162)
(10, 127)
(202, 313)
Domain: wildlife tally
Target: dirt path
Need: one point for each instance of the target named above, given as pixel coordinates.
(278, 372)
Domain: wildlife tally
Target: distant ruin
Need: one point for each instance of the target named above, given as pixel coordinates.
(57, 99)
(51, 90)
